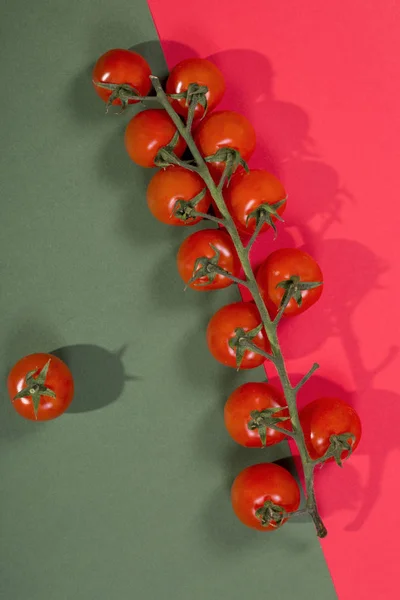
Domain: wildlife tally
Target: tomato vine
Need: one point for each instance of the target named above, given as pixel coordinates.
(214, 165)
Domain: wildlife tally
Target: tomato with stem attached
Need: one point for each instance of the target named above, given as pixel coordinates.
(171, 185)
(246, 415)
(221, 130)
(262, 496)
(120, 66)
(201, 252)
(148, 132)
(195, 71)
(40, 387)
(325, 423)
(289, 270)
(253, 196)
(226, 336)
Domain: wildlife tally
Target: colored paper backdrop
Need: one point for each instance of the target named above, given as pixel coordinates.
(127, 495)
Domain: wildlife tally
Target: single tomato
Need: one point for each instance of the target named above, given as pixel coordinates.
(40, 386)
(200, 71)
(225, 129)
(209, 244)
(326, 417)
(259, 191)
(262, 491)
(223, 330)
(148, 132)
(284, 267)
(121, 66)
(170, 185)
(249, 398)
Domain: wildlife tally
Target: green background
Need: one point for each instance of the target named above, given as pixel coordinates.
(127, 495)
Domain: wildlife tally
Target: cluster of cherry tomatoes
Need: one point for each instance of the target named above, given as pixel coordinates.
(261, 489)
(248, 191)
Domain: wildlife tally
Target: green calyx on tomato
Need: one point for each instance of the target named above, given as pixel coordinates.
(206, 267)
(194, 95)
(185, 210)
(242, 341)
(339, 443)
(232, 160)
(293, 288)
(35, 387)
(262, 420)
(266, 214)
(271, 515)
(123, 92)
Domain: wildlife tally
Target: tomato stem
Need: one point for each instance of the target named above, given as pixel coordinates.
(270, 326)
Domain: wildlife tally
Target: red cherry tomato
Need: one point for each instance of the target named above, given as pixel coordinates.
(44, 378)
(148, 132)
(170, 185)
(225, 129)
(247, 192)
(325, 417)
(202, 244)
(254, 396)
(222, 328)
(202, 72)
(258, 485)
(121, 66)
(282, 265)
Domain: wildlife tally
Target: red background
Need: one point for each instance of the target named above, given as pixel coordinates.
(320, 82)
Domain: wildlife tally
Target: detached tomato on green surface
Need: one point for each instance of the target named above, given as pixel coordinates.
(246, 406)
(195, 71)
(40, 387)
(119, 67)
(223, 329)
(257, 194)
(263, 494)
(170, 185)
(209, 244)
(148, 132)
(280, 269)
(325, 421)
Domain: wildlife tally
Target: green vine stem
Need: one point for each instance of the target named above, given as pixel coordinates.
(270, 326)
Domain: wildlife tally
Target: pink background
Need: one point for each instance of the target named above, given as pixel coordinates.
(320, 82)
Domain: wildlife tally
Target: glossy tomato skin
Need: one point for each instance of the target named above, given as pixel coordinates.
(59, 380)
(247, 191)
(325, 417)
(281, 265)
(148, 132)
(246, 398)
(200, 244)
(121, 66)
(256, 485)
(225, 129)
(221, 329)
(202, 72)
(170, 185)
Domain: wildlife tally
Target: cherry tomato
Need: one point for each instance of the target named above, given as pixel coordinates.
(247, 192)
(222, 328)
(148, 132)
(325, 417)
(258, 485)
(121, 66)
(202, 72)
(281, 266)
(41, 380)
(254, 396)
(225, 129)
(170, 185)
(206, 243)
